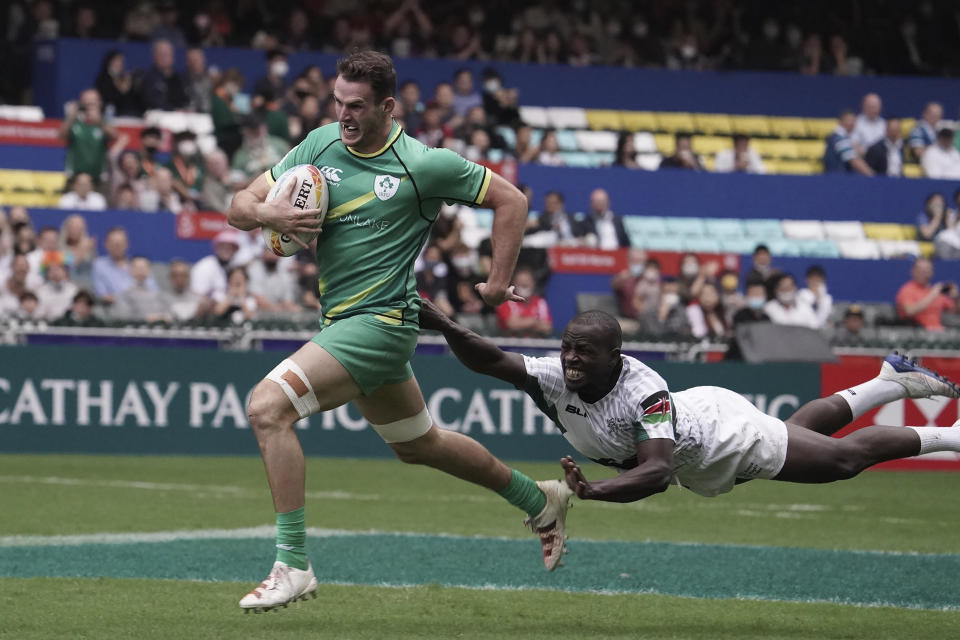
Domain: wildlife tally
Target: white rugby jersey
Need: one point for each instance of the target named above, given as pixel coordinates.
(638, 408)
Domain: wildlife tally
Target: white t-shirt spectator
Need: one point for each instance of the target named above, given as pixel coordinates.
(725, 162)
(797, 314)
(277, 286)
(208, 278)
(54, 298)
(822, 308)
(866, 132)
(941, 163)
(92, 202)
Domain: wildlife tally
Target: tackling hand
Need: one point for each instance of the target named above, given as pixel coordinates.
(575, 478)
(279, 215)
(494, 297)
(431, 317)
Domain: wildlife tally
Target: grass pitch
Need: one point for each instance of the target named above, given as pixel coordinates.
(85, 495)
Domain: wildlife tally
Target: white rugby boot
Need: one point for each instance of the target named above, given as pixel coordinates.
(550, 523)
(284, 585)
(919, 382)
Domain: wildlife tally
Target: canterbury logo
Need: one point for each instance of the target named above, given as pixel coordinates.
(332, 174)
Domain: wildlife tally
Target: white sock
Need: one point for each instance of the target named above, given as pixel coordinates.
(871, 394)
(938, 438)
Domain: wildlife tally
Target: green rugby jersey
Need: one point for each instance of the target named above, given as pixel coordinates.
(382, 205)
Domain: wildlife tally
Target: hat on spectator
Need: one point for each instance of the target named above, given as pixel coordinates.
(853, 311)
(227, 236)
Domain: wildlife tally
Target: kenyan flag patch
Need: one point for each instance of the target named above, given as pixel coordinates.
(657, 408)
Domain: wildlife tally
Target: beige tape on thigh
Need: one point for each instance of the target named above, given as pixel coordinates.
(405, 430)
(295, 384)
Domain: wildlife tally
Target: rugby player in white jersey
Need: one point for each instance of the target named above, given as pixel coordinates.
(620, 413)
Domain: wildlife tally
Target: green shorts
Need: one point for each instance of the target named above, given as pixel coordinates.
(373, 351)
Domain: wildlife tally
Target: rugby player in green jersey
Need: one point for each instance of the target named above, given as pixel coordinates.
(386, 190)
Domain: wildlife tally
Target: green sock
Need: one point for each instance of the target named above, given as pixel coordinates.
(292, 538)
(523, 493)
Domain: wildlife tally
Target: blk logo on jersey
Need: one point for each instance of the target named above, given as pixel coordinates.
(577, 410)
(385, 187)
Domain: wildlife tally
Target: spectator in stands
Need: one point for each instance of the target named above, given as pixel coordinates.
(924, 133)
(478, 149)
(693, 275)
(208, 277)
(555, 218)
(306, 120)
(86, 135)
(139, 301)
(816, 296)
(923, 303)
(870, 127)
(524, 148)
(184, 165)
(267, 106)
(272, 283)
(6, 248)
(77, 247)
(55, 295)
(550, 150)
(752, 311)
(852, 327)
(706, 316)
(259, 151)
(786, 308)
(21, 280)
(626, 153)
(465, 94)
(934, 217)
(412, 106)
(149, 148)
(184, 304)
(80, 313)
(48, 241)
(168, 28)
(433, 131)
(236, 304)
(125, 172)
(730, 297)
(499, 102)
(196, 81)
(431, 272)
(947, 241)
(840, 154)
(161, 87)
(741, 158)
(408, 30)
(683, 157)
(602, 228)
(81, 196)
(217, 190)
(941, 160)
(226, 119)
(85, 24)
(530, 318)
(111, 273)
(114, 83)
(160, 194)
(126, 199)
(26, 306)
(299, 35)
(885, 156)
(624, 285)
(762, 269)
(464, 276)
(666, 315)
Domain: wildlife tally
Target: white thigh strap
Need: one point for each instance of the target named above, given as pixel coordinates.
(405, 430)
(295, 384)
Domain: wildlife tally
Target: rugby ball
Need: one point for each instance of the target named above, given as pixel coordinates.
(309, 192)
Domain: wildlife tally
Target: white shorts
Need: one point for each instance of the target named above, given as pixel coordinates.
(723, 438)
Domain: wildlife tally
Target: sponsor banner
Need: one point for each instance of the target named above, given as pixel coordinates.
(45, 133)
(599, 261)
(31, 188)
(170, 401)
(200, 225)
(941, 412)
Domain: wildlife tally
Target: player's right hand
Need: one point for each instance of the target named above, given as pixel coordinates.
(495, 297)
(575, 478)
(279, 215)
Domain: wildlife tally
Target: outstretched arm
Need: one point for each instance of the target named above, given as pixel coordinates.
(509, 219)
(652, 475)
(478, 354)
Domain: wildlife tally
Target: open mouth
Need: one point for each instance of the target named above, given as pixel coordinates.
(574, 375)
(349, 128)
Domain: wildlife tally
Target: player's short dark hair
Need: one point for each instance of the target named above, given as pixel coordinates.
(606, 322)
(372, 67)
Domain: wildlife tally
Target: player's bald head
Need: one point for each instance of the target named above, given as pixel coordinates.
(602, 327)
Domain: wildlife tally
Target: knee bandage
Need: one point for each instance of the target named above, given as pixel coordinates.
(295, 384)
(405, 430)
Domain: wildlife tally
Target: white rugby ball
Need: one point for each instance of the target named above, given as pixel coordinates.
(309, 192)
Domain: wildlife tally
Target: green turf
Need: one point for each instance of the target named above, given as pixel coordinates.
(146, 609)
(58, 495)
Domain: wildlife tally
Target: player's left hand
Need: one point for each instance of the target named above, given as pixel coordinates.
(575, 478)
(494, 297)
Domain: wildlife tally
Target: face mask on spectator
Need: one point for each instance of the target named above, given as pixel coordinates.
(187, 148)
(690, 269)
(671, 299)
(756, 303)
(651, 275)
(523, 292)
(786, 297)
(492, 85)
(463, 263)
(150, 150)
(636, 270)
(279, 68)
(640, 29)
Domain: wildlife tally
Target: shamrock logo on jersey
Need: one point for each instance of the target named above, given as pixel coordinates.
(385, 186)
